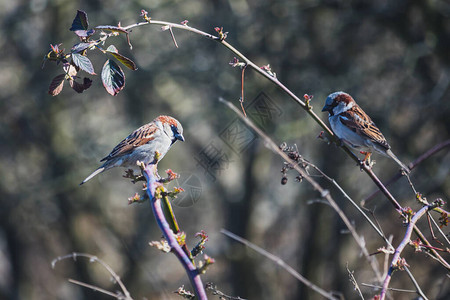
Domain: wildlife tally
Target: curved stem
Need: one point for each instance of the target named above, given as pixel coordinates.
(395, 260)
(155, 203)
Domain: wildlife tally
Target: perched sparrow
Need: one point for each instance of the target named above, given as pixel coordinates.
(142, 144)
(355, 128)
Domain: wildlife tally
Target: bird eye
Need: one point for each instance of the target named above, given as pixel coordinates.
(174, 129)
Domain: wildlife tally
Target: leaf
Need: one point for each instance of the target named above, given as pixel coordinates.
(80, 47)
(112, 28)
(87, 83)
(125, 60)
(83, 63)
(112, 48)
(113, 77)
(84, 33)
(56, 85)
(70, 69)
(80, 22)
(80, 87)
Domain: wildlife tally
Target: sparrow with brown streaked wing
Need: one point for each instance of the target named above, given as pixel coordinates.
(355, 128)
(142, 145)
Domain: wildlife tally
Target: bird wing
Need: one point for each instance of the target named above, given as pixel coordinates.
(139, 137)
(358, 121)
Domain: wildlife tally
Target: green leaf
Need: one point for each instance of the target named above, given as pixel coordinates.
(112, 28)
(83, 63)
(113, 77)
(124, 60)
(80, 22)
(56, 85)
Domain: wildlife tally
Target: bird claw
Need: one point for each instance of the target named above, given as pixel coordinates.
(366, 161)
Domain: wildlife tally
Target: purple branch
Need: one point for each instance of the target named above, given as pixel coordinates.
(395, 260)
(192, 272)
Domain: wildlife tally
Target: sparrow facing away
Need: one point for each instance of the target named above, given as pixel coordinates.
(142, 144)
(355, 128)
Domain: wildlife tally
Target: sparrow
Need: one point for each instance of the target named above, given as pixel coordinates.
(142, 145)
(355, 128)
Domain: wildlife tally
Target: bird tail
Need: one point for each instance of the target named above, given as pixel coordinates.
(392, 155)
(98, 171)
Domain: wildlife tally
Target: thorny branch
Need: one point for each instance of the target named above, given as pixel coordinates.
(152, 189)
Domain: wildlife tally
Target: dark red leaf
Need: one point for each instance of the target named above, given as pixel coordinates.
(56, 85)
(124, 60)
(83, 63)
(87, 83)
(80, 87)
(113, 77)
(77, 87)
(80, 22)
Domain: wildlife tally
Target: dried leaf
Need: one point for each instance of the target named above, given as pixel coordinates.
(83, 63)
(80, 22)
(56, 85)
(113, 77)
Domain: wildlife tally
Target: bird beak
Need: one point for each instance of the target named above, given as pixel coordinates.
(179, 136)
(326, 108)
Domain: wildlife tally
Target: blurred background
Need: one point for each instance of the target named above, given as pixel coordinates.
(391, 56)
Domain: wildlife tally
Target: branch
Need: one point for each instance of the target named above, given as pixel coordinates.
(108, 268)
(152, 186)
(411, 166)
(279, 262)
(396, 261)
(97, 289)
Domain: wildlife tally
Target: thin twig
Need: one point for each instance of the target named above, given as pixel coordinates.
(242, 91)
(279, 262)
(173, 36)
(354, 282)
(390, 289)
(93, 258)
(439, 228)
(97, 289)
